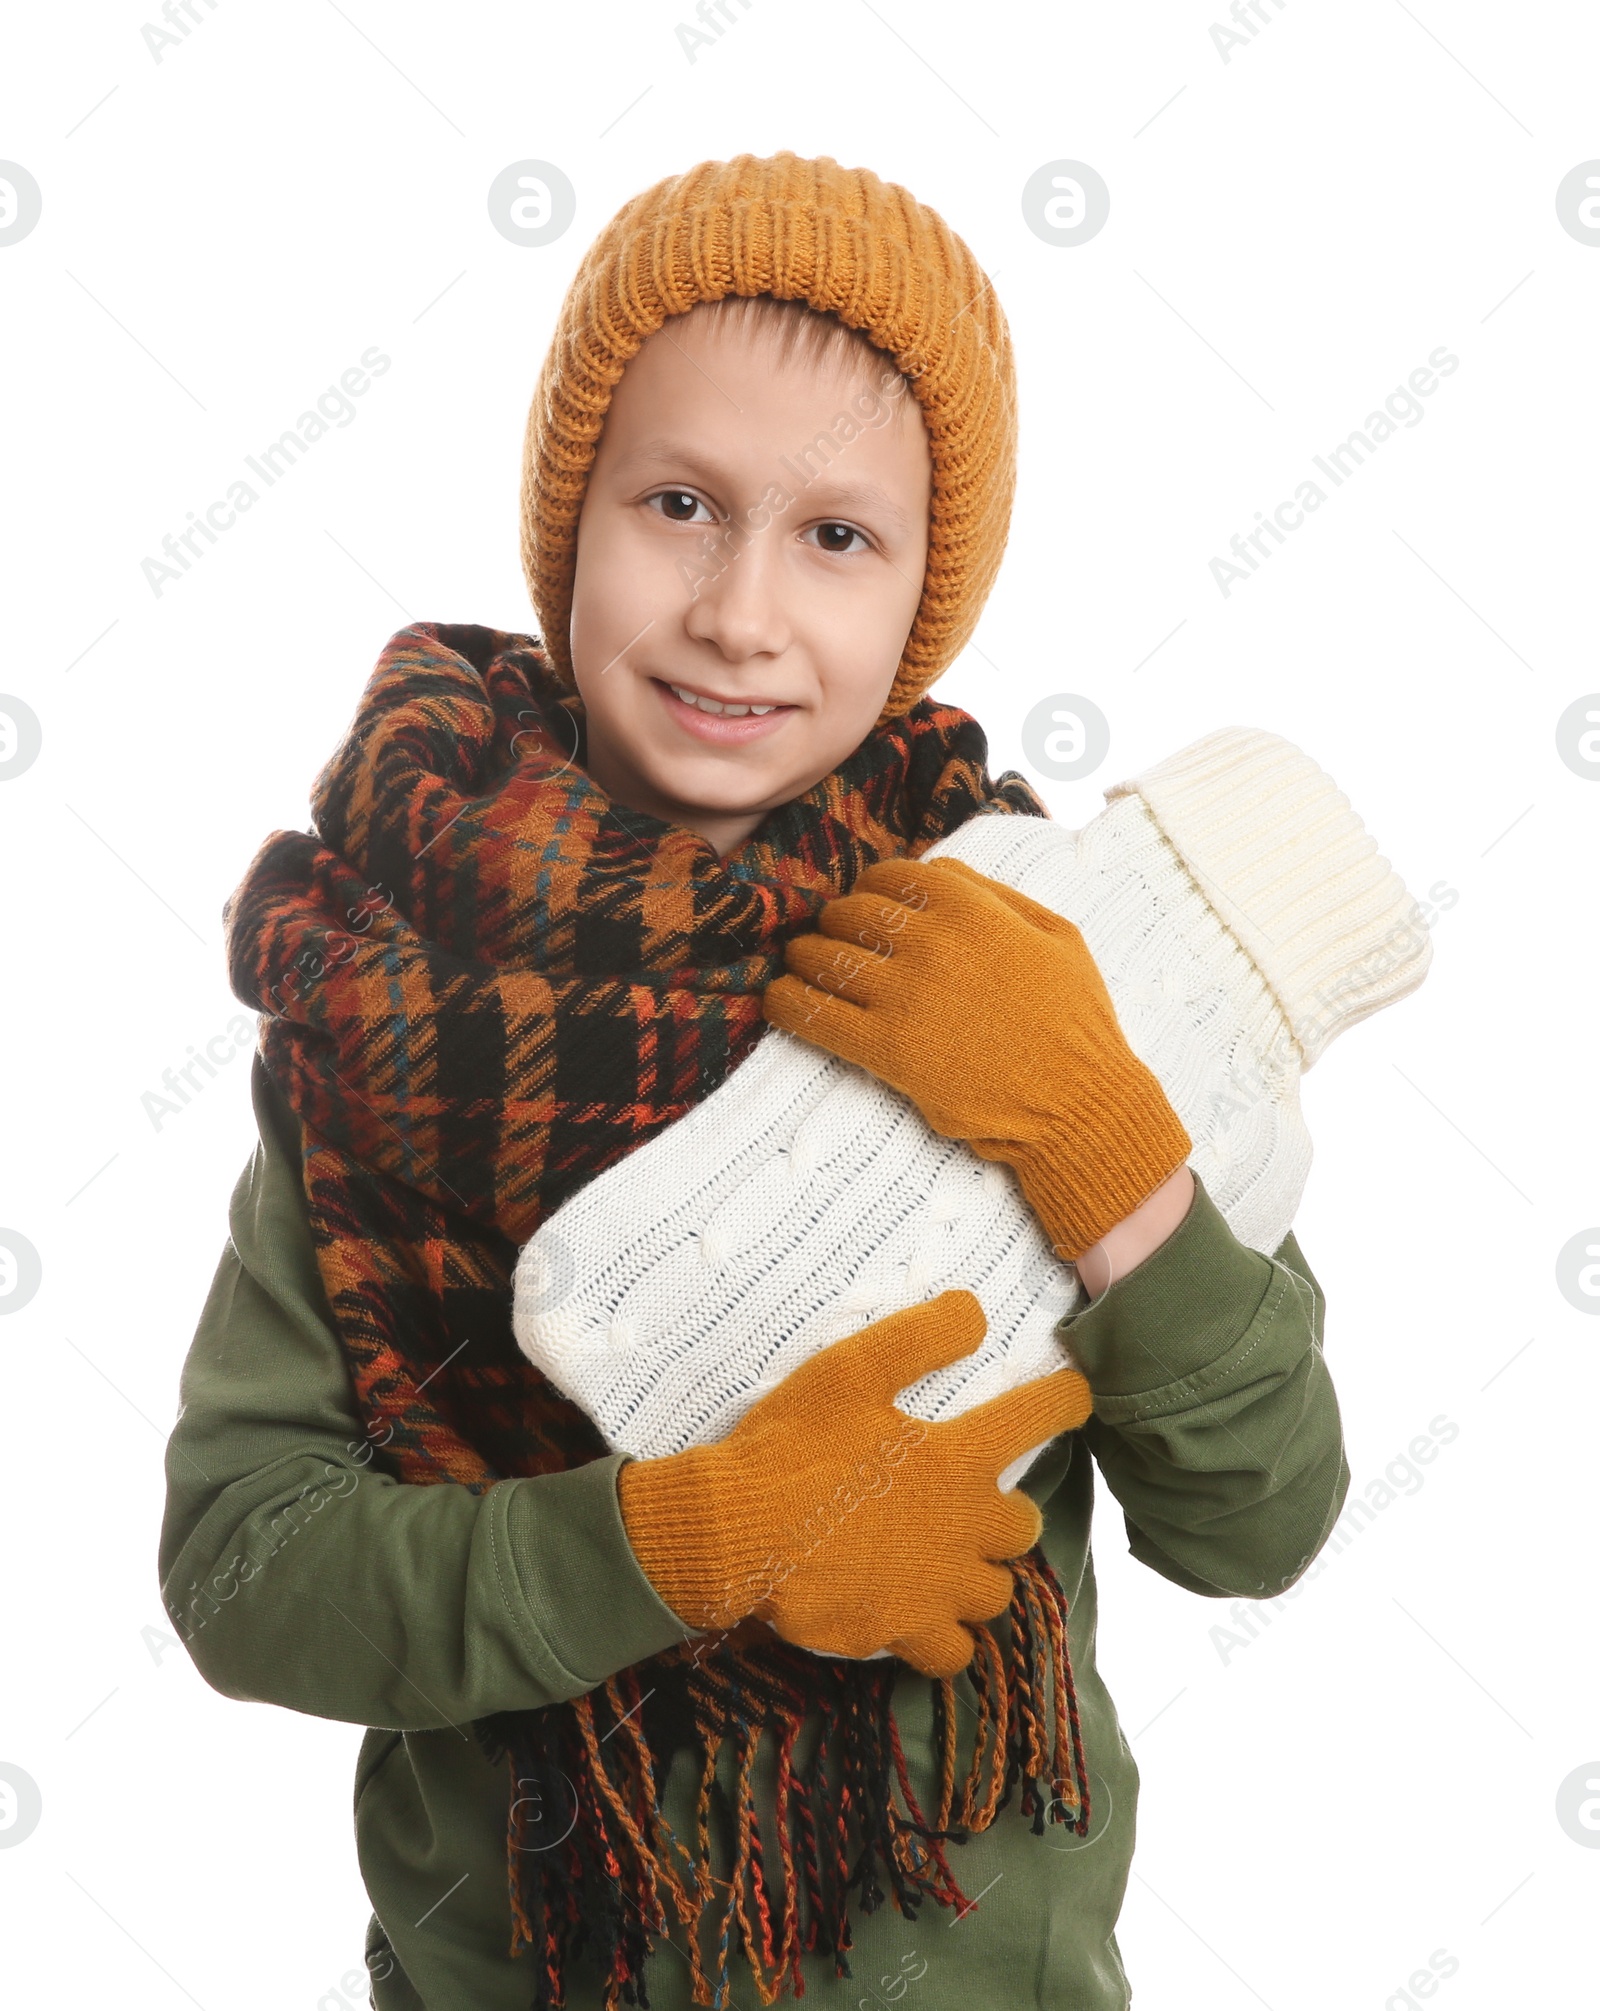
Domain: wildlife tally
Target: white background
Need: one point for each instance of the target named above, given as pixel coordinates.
(1292, 232)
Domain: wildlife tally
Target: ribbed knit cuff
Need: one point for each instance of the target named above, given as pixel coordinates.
(1292, 872)
(1127, 1141)
(681, 1538)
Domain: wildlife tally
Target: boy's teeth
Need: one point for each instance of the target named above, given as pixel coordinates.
(711, 705)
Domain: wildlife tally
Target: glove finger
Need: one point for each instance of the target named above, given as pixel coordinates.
(956, 873)
(954, 882)
(1035, 911)
(1001, 1430)
(979, 1590)
(877, 924)
(843, 970)
(1007, 1525)
(891, 1354)
(842, 1027)
(950, 870)
(946, 895)
(852, 1634)
(903, 880)
(942, 1648)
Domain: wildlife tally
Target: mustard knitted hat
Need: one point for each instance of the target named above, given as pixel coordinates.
(847, 244)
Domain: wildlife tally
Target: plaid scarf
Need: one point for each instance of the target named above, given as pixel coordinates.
(481, 983)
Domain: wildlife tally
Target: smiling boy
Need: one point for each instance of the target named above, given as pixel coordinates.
(635, 1724)
(740, 585)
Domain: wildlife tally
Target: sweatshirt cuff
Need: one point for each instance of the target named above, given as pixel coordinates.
(577, 1575)
(1170, 1319)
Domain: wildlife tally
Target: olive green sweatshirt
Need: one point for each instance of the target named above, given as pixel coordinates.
(300, 1571)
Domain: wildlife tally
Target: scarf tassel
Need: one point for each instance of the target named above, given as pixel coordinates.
(594, 1868)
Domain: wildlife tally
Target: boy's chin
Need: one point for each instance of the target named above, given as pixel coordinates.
(739, 784)
(737, 796)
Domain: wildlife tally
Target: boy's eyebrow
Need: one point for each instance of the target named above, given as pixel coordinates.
(677, 453)
(865, 492)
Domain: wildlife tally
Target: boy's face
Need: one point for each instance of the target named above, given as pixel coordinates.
(726, 548)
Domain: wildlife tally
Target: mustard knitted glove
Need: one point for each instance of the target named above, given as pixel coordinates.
(988, 1011)
(848, 1525)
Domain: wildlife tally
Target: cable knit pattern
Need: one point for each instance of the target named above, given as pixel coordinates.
(804, 1198)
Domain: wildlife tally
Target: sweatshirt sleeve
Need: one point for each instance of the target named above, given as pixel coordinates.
(1215, 1422)
(299, 1572)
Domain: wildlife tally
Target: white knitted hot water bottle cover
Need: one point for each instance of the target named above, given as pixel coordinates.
(1241, 917)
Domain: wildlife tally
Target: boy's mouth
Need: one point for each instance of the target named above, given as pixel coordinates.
(733, 726)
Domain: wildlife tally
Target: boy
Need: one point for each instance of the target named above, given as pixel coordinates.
(755, 533)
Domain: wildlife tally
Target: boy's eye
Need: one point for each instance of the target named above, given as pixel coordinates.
(680, 505)
(829, 533)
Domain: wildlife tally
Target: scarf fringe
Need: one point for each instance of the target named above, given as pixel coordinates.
(594, 1868)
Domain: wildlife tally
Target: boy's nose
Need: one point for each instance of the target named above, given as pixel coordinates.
(741, 609)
